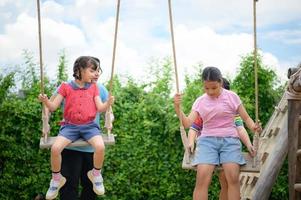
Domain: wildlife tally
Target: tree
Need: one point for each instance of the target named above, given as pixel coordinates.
(269, 88)
(6, 83)
(29, 77)
(62, 72)
(269, 95)
(24, 169)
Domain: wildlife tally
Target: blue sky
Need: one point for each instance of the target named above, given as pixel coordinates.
(211, 32)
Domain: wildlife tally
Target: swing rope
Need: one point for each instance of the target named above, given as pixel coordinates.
(182, 130)
(256, 135)
(45, 118)
(109, 117)
(109, 113)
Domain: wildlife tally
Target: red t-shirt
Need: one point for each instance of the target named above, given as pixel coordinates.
(79, 106)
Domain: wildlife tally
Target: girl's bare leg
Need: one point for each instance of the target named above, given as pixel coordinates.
(56, 150)
(99, 153)
(203, 179)
(232, 175)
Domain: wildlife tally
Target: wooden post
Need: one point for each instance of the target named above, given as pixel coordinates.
(274, 163)
(294, 135)
(294, 107)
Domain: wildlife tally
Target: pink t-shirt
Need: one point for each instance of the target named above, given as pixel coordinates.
(79, 106)
(218, 113)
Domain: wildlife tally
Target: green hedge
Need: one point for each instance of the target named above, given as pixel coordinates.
(146, 161)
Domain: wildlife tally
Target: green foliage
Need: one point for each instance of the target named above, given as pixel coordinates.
(5, 84)
(148, 140)
(193, 89)
(269, 95)
(269, 89)
(24, 169)
(146, 161)
(280, 188)
(62, 74)
(29, 77)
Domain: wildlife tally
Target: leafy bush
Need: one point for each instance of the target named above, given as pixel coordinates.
(146, 161)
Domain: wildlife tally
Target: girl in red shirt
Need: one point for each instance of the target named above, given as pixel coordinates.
(82, 102)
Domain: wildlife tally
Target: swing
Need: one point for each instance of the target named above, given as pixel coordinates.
(109, 139)
(252, 163)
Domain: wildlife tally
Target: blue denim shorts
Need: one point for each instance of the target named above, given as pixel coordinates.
(218, 150)
(73, 132)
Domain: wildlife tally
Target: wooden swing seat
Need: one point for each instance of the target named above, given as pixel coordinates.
(108, 140)
(248, 167)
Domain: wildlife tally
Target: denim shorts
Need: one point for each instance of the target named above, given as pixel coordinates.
(218, 150)
(73, 132)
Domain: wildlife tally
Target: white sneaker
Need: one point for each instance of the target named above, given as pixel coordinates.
(54, 188)
(97, 182)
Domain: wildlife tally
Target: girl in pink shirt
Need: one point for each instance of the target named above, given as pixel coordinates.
(219, 142)
(82, 102)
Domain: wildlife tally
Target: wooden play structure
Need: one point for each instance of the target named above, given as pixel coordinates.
(272, 150)
(281, 137)
(294, 132)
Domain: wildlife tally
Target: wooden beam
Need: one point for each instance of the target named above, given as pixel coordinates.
(297, 187)
(272, 165)
(108, 140)
(294, 107)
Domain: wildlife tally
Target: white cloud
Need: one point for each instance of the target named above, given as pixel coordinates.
(53, 10)
(87, 28)
(286, 36)
(278, 11)
(3, 2)
(17, 37)
(232, 12)
(205, 45)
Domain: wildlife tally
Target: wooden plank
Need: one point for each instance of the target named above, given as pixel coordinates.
(297, 187)
(298, 152)
(254, 181)
(108, 140)
(264, 157)
(270, 132)
(241, 181)
(273, 163)
(276, 131)
(294, 107)
(277, 150)
(186, 164)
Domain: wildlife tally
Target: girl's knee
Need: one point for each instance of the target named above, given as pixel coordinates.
(99, 147)
(232, 174)
(222, 180)
(56, 149)
(202, 182)
(232, 180)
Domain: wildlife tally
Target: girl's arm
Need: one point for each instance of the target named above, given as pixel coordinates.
(244, 137)
(52, 104)
(191, 139)
(102, 107)
(186, 120)
(247, 119)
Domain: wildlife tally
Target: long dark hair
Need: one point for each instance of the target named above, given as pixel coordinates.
(84, 62)
(212, 74)
(226, 84)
